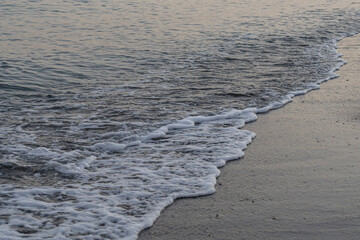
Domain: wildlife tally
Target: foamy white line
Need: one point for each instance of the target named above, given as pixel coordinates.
(248, 114)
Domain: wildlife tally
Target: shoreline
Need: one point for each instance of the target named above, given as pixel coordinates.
(281, 188)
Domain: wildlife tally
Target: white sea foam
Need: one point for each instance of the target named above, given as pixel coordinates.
(117, 201)
(71, 168)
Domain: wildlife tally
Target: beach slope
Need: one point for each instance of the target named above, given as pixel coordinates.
(300, 179)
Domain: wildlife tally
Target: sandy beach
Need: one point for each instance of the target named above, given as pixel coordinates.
(299, 178)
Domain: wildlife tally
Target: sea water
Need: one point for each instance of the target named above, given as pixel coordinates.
(110, 110)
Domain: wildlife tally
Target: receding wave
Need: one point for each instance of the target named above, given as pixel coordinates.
(104, 123)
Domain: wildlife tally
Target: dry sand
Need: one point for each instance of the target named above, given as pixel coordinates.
(300, 179)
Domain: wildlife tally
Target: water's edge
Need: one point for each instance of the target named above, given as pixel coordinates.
(249, 115)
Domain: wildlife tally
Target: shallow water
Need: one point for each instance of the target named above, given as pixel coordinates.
(110, 110)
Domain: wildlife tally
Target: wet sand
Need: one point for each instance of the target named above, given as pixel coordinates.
(300, 178)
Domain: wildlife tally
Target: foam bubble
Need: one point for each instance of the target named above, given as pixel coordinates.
(109, 147)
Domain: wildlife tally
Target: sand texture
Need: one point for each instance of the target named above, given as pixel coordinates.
(300, 179)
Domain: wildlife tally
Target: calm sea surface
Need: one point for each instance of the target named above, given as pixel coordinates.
(111, 109)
